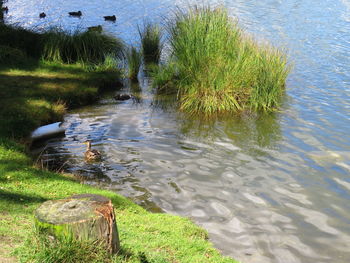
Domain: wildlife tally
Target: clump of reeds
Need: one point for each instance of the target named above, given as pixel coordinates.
(134, 58)
(86, 47)
(151, 44)
(215, 68)
(23, 39)
(9, 55)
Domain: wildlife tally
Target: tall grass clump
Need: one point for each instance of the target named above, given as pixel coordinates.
(86, 47)
(150, 36)
(9, 55)
(28, 41)
(215, 68)
(133, 57)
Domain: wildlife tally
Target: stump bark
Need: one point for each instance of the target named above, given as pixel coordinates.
(83, 217)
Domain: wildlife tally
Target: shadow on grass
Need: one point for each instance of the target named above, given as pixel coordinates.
(20, 198)
(29, 101)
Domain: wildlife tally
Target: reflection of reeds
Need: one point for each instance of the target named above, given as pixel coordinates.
(133, 57)
(136, 92)
(150, 36)
(214, 68)
(250, 131)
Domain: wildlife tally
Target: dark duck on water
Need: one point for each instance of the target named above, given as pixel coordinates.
(110, 18)
(79, 13)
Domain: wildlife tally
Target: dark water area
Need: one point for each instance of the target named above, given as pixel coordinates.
(272, 188)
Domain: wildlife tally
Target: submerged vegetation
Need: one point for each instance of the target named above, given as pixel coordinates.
(150, 36)
(215, 68)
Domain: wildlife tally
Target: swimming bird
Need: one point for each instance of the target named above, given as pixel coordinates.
(91, 155)
(110, 18)
(75, 13)
(42, 15)
(95, 29)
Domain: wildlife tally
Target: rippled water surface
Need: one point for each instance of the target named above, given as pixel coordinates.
(268, 189)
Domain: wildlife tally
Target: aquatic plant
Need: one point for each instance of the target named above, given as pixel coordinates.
(215, 68)
(133, 57)
(150, 36)
(86, 47)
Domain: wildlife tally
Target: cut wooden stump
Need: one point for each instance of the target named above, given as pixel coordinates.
(83, 217)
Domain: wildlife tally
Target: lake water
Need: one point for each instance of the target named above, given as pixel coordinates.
(268, 189)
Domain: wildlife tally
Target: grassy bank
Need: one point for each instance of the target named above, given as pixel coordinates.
(40, 92)
(145, 237)
(215, 68)
(43, 74)
(34, 91)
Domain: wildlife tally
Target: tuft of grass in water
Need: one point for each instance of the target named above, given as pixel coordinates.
(133, 57)
(150, 36)
(87, 47)
(215, 68)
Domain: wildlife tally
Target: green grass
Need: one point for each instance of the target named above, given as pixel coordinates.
(150, 36)
(215, 68)
(87, 47)
(36, 86)
(27, 41)
(56, 45)
(134, 58)
(11, 55)
(40, 92)
(145, 236)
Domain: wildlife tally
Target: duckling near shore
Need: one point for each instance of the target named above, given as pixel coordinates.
(110, 18)
(79, 13)
(91, 155)
(42, 15)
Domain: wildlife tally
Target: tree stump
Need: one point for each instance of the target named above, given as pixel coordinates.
(85, 217)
